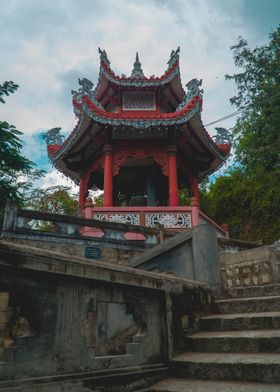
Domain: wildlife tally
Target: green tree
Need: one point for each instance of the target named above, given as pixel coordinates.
(55, 199)
(248, 197)
(17, 173)
(257, 143)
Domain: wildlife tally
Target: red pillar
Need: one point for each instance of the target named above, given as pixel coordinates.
(108, 176)
(172, 177)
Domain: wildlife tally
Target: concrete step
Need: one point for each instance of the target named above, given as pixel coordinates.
(247, 305)
(240, 321)
(183, 385)
(267, 341)
(253, 291)
(260, 367)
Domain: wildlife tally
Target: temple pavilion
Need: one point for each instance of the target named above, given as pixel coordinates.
(139, 139)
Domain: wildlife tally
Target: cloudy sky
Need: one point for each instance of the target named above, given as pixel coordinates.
(47, 45)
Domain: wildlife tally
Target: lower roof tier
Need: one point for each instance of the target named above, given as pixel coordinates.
(83, 149)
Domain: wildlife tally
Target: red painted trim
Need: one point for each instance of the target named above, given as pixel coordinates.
(206, 217)
(172, 177)
(108, 176)
(140, 115)
(143, 209)
(131, 236)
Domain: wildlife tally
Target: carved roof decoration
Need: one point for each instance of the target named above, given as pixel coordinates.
(137, 71)
(138, 78)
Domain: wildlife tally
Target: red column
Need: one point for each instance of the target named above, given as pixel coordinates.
(172, 177)
(108, 176)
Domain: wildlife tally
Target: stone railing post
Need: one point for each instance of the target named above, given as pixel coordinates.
(195, 211)
(88, 209)
(224, 226)
(10, 217)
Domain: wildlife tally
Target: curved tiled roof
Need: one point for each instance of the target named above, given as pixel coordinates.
(89, 109)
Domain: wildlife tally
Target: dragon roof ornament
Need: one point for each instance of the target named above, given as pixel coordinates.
(104, 57)
(86, 89)
(223, 136)
(53, 136)
(194, 90)
(174, 56)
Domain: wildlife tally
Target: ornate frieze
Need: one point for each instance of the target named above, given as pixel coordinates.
(123, 153)
(128, 133)
(129, 218)
(169, 220)
(139, 100)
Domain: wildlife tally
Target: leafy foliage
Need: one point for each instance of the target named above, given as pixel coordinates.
(17, 173)
(7, 88)
(258, 93)
(55, 199)
(248, 198)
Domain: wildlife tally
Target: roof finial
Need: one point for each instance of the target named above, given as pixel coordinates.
(137, 70)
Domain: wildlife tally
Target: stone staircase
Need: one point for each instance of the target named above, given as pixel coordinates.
(238, 348)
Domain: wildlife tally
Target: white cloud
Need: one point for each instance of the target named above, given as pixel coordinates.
(47, 45)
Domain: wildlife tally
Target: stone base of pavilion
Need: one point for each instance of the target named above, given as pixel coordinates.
(170, 218)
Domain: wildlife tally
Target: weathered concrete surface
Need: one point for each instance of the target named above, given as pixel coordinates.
(192, 254)
(240, 321)
(114, 252)
(118, 380)
(242, 366)
(67, 234)
(179, 385)
(235, 341)
(228, 349)
(254, 267)
(72, 317)
(253, 291)
(251, 304)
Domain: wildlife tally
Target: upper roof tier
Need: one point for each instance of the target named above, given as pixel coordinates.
(137, 107)
(168, 86)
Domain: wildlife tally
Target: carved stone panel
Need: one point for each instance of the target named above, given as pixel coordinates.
(129, 218)
(169, 220)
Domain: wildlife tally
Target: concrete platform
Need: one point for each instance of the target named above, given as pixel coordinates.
(178, 385)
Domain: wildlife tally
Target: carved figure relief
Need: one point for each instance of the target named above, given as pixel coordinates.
(121, 154)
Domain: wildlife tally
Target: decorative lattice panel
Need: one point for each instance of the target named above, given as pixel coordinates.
(139, 100)
(131, 219)
(169, 220)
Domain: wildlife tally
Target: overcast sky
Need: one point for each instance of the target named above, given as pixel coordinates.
(47, 45)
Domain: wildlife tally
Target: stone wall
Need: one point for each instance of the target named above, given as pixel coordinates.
(254, 267)
(115, 243)
(75, 323)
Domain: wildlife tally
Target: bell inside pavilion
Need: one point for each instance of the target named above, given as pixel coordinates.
(139, 139)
